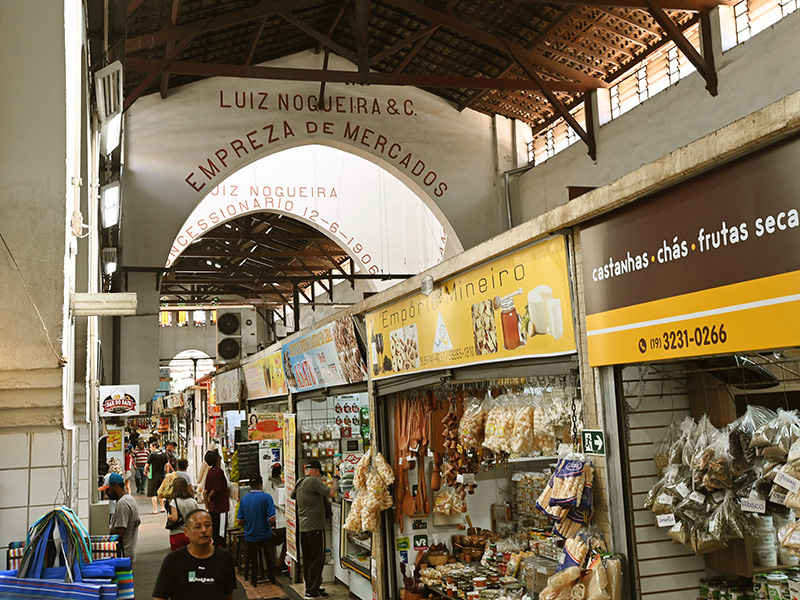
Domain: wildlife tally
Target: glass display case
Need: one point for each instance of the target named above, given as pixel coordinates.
(355, 548)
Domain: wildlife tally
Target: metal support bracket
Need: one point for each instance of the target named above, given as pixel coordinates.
(704, 63)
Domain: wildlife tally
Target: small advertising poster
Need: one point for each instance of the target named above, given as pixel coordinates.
(265, 377)
(515, 306)
(119, 400)
(265, 426)
(227, 387)
(325, 357)
(114, 440)
(289, 470)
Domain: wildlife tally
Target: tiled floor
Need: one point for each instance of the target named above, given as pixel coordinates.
(264, 590)
(337, 591)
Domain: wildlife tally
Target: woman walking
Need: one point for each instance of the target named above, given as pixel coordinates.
(182, 504)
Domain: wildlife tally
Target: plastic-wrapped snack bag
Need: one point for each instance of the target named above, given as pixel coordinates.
(560, 582)
(703, 433)
(524, 426)
(472, 429)
(576, 550)
(728, 521)
(714, 467)
(686, 430)
(614, 574)
(706, 542)
(664, 495)
(774, 439)
(742, 430)
(361, 471)
(661, 447)
(568, 481)
(596, 583)
(384, 469)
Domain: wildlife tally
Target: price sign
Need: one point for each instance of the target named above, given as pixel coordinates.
(754, 505)
(593, 441)
(665, 520)
(787, 481)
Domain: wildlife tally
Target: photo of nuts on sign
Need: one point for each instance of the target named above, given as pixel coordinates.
(405, 348)
(484, 328)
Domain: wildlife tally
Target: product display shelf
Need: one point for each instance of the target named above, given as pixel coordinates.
(366, 544)
(738, 559)
(439, 591)
(524, 459)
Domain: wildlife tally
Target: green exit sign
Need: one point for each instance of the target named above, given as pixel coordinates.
(593, 441)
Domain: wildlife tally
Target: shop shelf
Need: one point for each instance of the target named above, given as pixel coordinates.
(366, 544)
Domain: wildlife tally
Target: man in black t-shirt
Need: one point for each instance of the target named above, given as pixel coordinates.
(199, 571)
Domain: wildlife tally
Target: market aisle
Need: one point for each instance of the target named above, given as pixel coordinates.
(152, 548)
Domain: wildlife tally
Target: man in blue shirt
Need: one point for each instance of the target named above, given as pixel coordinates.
(257, 514)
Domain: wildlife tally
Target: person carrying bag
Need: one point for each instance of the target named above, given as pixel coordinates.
(182, 503)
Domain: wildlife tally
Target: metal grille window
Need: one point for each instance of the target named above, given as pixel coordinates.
(555, 137)
(661, 69)
(754, 16)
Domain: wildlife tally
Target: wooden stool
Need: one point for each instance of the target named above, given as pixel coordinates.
(236, 545)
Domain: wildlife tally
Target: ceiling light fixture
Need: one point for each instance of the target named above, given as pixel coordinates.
(110, 203)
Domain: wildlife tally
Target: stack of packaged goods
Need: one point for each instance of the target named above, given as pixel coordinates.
(740, 481)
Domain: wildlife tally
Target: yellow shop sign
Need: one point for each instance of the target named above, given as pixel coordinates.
(516, 306)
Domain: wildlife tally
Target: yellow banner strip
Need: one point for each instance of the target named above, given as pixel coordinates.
(755, 324)
(717, 301)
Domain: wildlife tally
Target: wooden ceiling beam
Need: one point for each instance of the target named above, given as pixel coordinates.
(627, 21)
(400, 44)
(264, 8)
(175, 17)
(251, 47)
(476, 95)
(158, 66)
(219, 234)
(334, 23)
(690, 5)
(132, 7)
(605, 44)
(361, 33)
(593, 24)
(431, 29)
(704, 67)
(577, 61)
(530, 57)
(284, 74)
(331, 258)
(587, 135)
(289, 279)
(275, 254)
(320, 37)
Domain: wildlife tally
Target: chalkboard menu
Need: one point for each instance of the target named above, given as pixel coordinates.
(248, 460)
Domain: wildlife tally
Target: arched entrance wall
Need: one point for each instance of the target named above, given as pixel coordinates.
(179, 148)
(372, 215)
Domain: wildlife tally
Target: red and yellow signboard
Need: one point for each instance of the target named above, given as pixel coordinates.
(265, 426)
(515, 306)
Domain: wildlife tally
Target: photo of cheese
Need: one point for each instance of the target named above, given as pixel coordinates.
(545, 312)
